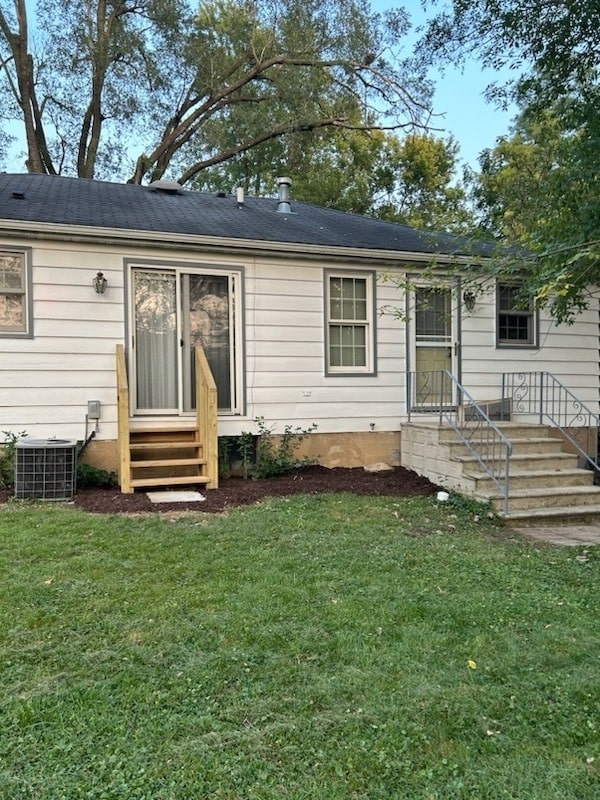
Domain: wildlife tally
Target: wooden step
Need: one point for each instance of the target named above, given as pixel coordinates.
(160, 428)
(168, 462)
(178, 480)
(137, 446)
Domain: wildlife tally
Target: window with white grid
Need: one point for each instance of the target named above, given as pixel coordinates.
(516, 318)
(349, 330)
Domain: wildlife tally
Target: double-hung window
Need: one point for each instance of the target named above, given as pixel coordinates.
(515, 317)
(15, 293)
(350, 335)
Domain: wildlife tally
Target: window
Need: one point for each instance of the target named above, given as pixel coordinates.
(15, 294)
(515, 317)
(349, 330)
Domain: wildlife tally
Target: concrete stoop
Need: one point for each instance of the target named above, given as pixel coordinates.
(546, 487)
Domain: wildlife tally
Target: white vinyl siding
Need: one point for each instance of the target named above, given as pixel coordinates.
(349, 323)
(47, 380)
(15, 293)
(567, 351)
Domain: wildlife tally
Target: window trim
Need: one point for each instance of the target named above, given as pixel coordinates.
(370, 369)
(533, 315)
(27, 331)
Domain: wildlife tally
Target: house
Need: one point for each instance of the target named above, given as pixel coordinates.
(305, 316)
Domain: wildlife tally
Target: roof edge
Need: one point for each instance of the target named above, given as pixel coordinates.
(79, 233)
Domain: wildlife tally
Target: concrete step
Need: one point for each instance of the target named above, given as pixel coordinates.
(556, 516)
(536, 445)
(510, 430)
(535, 479)
(526, 461)
(546, 484)
(548, 497)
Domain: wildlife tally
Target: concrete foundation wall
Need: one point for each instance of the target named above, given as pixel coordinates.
(327, 449)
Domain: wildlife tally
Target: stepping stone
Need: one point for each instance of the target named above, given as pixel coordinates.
(175, 497)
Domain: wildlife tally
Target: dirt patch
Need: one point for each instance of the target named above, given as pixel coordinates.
(234, 492)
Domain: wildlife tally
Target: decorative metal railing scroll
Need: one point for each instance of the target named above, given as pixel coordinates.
(543, 395)
(433, 392)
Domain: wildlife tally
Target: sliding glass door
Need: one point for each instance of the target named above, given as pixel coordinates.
(173, 311)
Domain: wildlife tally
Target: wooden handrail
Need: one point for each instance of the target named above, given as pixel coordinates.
(123, 422)
(206, 416)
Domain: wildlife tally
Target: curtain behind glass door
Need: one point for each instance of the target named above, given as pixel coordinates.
(155, 305)
(207, 305)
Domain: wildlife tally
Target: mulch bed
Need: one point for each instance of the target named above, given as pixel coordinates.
(233, 492)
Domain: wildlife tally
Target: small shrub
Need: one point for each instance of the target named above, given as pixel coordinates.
(237, 453)
(224, 443)
(246, 449)
(7, 458)
(87, 476)
(276, 453)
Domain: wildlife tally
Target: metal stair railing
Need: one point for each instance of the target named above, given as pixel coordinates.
(432, 393)
(542, 394)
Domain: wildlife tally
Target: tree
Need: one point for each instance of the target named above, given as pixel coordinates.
(333, 167)
(408, 179)
(424, 191)
(551, 46)
(196, 89)
(540, 187)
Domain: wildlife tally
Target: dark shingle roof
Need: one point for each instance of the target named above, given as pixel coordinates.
(99, 204)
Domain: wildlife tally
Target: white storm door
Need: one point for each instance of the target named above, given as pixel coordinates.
(433, 347)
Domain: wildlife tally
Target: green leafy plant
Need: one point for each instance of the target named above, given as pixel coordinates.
(225, 444)
(276, 452)
(88, 475)
(237, 453)
(246, 449)
(476, 508)
(7, 458)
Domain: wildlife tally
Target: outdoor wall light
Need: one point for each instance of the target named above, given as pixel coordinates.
(469, 299)
(99, 283)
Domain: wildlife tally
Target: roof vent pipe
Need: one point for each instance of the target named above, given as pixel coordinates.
(283, 185)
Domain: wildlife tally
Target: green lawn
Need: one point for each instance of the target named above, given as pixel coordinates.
(314, 647)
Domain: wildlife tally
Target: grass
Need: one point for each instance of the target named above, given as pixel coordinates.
(313, 647)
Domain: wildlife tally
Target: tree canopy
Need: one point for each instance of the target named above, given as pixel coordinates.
(409, 179)
(540, 186)
(152, 88)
